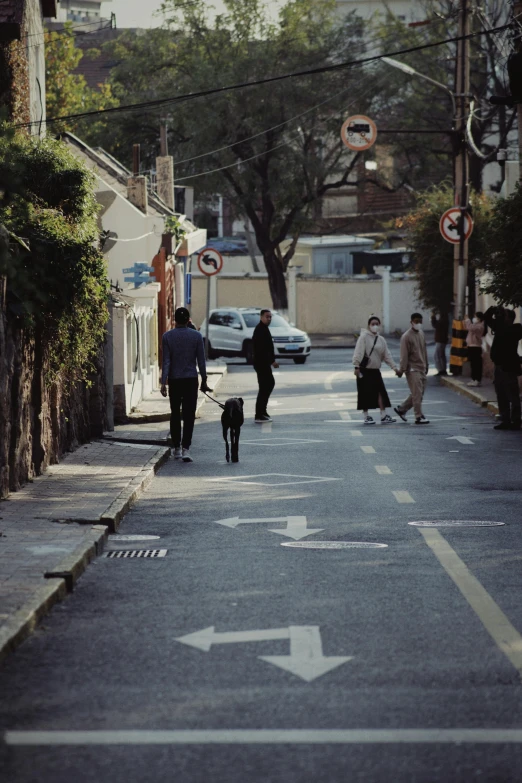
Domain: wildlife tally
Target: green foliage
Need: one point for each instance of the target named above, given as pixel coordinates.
(173, 226)
(53, 267)
(433, 255)
(66, 92)
(503, 260)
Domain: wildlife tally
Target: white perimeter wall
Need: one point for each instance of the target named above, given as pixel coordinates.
(325, 305)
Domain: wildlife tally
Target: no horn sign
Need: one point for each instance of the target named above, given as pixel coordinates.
(450, 225)
(210, 262)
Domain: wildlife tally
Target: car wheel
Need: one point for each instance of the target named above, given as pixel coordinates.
(300, 359)
(248, 352)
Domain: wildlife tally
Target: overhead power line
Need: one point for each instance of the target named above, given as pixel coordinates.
(269, 80)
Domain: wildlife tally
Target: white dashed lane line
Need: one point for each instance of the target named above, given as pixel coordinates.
(368, 449)
(401, 496)
(383, 470)
(356, 433)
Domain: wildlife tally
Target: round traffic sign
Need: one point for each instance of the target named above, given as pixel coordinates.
(450, 225)
(359, 133)
(210, 262)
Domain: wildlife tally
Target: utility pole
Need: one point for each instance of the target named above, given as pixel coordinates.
(461, 174)
(517, 19)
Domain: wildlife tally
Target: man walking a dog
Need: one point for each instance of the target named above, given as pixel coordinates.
(264, 360)
(182, 348)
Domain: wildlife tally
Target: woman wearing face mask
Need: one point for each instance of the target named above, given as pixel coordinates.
(371, 350)
(476, 332)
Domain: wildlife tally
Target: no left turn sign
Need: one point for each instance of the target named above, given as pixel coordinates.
(450, 225)
(359, 133)
(210, 262)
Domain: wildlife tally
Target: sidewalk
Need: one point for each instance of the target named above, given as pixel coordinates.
(483, 395)
(55, 525)
(333, 340)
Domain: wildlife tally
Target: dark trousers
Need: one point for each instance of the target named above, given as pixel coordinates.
(266, 382)
(508, 396)
(183, 395)
(475, 361)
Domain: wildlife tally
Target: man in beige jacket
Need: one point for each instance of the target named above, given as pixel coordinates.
(414, 362)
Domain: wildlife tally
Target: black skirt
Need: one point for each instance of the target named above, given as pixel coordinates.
(369, 387)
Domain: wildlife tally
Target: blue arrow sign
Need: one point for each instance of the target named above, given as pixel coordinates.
(140, 274)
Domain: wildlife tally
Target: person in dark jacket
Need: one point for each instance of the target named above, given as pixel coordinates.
(264, 360)
(182, 348)
(504, 355)
(440, 323)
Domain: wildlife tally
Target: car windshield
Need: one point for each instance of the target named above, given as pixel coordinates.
(252, 319)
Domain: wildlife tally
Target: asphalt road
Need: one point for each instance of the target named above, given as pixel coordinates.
(379, 664)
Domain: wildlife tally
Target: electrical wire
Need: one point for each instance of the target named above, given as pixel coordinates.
(269, 80)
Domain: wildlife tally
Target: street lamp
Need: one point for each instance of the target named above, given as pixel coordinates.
(412, 72)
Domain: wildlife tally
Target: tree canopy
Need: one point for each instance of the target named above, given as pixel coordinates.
(503, 260)
(274, 150)
(433, 255)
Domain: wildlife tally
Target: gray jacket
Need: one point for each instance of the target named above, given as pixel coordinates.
(182, 348)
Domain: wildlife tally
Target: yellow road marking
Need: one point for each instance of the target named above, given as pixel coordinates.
(403, 497)
(505, 635)
(383, 470)
(368, 449)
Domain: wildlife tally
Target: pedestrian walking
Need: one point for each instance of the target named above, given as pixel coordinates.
(414, 363)
(264, 360)
(504, 355)
(370, 352)
(476, 332)
(182, 347)
(440, 323)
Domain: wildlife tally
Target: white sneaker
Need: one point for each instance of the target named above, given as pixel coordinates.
(177, 453)
(368, 420)
(185, 456)
(473, 383)
(388, 419)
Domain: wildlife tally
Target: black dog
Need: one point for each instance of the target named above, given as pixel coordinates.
(232, 419)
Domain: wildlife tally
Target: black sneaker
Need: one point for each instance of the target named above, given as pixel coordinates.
(422, 420)
(400, 413)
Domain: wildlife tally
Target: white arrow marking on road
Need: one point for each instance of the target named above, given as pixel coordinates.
(295, 526)
(462, 439)
(306, 659)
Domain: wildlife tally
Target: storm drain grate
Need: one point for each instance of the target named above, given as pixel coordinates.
(137, 553)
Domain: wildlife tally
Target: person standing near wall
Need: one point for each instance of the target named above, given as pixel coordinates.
(440, 323)
(181, 349)
(264, 360)
(476, 332)
(370, 352)
(414, 362)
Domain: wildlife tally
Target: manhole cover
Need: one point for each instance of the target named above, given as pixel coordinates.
(137, 553)
(456, 523)
(133, 538)
(334, 545)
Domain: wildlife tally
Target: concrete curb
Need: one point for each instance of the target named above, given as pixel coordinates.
(60, 580)
(470, 393)
(114, 514)
(24, 621)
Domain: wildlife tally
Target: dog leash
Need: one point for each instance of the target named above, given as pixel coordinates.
(213, 400)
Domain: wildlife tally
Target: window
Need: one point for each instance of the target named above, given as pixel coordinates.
(232, 320)
(216, 319)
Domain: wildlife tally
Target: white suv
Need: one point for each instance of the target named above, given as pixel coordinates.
(231, 330)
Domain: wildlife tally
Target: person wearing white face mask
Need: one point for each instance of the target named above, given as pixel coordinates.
(371, 350)
(414, 362)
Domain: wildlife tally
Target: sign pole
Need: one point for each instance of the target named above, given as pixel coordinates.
(207, 317)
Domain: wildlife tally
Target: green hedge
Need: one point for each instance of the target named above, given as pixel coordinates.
(54, 268)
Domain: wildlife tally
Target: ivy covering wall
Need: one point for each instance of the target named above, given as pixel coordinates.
(53, 306)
